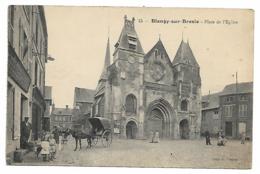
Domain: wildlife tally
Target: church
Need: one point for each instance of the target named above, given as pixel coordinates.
(147, 92)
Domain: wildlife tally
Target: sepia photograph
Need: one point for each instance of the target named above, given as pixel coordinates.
(144, 87)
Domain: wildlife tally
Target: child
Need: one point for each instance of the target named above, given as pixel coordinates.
(52, 147)
(45, 151)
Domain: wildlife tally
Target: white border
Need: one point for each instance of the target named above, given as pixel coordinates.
(251, 4)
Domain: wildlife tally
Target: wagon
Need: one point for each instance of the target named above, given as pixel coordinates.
(101, 131)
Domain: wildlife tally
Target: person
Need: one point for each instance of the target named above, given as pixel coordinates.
(156, 137)
(207, 135)
(45, 151)
(151, 136)
(243, 137)
(56, 135)
(52, 147)
(221, 140)
(25, 133)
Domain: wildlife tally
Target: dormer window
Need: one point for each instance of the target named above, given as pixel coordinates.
(132, 46)
(132, 41)
(156, 53)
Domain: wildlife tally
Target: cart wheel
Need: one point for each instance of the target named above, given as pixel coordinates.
(106, 138)
(94, 141)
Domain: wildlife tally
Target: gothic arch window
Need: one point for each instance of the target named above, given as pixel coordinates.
(130, 104)
(184, 105)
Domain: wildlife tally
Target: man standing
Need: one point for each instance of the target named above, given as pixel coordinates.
(207, 135)
(25, 133)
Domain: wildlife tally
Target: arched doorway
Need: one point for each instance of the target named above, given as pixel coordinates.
(184, 129)
(156, 122)
(131, 130)
(158, 118)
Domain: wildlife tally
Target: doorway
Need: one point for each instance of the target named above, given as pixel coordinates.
(228, 128)
(184, 129)
(131, 130)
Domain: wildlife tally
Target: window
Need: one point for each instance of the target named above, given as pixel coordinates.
(243, 98)
(229, 99)
(184, 105)
(155, 53)
(130, 104)
(10, 112)
(242, 110)
(228, 110)
(36, 74)
(132, 46)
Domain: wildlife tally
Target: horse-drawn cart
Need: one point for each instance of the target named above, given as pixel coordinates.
(101, 130)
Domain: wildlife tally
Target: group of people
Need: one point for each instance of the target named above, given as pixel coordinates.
(154, 137)
(221, 138)
(47, 144)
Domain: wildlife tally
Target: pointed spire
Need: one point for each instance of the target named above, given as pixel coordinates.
(107, 61)
(128, 39)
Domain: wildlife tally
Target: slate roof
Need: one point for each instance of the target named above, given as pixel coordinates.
(62, 111)
(159, 45)
(212, 99)
(106, 63)
(245, 87)
(184, 55)
(128, 30)
(84, 95)
(48, 93)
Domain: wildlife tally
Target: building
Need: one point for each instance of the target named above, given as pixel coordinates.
(143, 92)
(61, 117)
(83, 100)
(210, 115)
(48, 110)
(82, 106)
(236, 106)
(27, 55)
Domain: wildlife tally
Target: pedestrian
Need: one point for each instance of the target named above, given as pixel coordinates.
(52, 147)
(25, 133)
(207, 136)
(56, 135)
(243, 137)
(221, 140)
(156, 137)
(151, 136)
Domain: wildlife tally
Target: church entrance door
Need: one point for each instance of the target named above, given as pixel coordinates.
(184, 129)
(131, 130)
(155, 122)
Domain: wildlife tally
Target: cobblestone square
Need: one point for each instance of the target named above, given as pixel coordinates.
(141, 153)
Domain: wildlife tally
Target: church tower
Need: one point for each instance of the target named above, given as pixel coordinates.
(187, 76)
(126, 80)
(100, 107)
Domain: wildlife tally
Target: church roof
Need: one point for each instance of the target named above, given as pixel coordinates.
(185, 55)
(107, 61)
(84, 95)
(212, 100)
(245, 87)
(159, 46)
(128, 37)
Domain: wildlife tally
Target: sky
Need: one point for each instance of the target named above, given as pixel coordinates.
(77, 39)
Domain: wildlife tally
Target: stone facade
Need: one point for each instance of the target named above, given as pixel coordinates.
(236, 105)
(148, 92)
(27, 55)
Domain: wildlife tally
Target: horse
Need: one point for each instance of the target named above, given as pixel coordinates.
(78, 135)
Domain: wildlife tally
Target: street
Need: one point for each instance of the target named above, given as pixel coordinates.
(141, 153)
